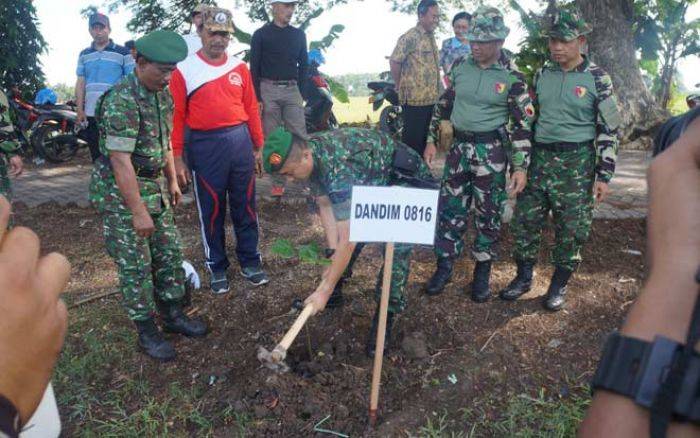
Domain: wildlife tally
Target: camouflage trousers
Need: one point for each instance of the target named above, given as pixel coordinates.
(399, 277)
(5, 186)
(145, 264)
(560, 182)
(472, 171)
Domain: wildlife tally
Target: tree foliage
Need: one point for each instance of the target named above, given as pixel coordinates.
(663, 37)
(21, 44)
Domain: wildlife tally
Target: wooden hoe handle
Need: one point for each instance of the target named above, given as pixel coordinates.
(296, 327)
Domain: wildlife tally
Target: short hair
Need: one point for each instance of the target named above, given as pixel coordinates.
(299, 145)
(462, 16)
(129, 44)
(424, 5)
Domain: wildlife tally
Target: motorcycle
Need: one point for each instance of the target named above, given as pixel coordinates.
(318, 110)
(47, 131)
(390, 120)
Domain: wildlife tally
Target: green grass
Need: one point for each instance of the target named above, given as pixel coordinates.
(677, 104)
(523, 416)
(357, 111)
(97, 402)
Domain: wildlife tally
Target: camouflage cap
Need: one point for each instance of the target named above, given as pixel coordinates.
(217, 20)
(567, 25)
(487, 25)
(276, 149)
(200, 8)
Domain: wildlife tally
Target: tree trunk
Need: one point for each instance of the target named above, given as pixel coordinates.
(612, 47)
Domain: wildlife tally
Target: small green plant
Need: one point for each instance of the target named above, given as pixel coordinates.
(283, 248)
(310, 253)
(437, 427)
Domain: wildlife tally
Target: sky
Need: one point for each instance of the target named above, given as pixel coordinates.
(371, 30)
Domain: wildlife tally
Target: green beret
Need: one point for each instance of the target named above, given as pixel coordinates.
(276, 150)
(162, 46)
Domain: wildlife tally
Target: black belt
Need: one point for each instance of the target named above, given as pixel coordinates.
(477, 137)
(143, 172)
(563, 146)
(286, 82)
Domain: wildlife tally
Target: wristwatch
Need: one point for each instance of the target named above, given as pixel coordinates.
(9, 419)
(639, 370)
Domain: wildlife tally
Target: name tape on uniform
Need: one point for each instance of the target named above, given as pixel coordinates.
(393, 214)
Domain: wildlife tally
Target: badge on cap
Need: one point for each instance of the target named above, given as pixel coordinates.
(220, 18)
(530, 110)
(275, 159)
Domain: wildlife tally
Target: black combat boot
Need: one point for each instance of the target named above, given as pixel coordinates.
(152, 342)
(480, 291)
(371, 346)
(521, 283)
(175, 321)
(556, 294)
(442, 276)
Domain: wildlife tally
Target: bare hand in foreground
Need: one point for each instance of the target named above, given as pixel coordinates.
(33, 323)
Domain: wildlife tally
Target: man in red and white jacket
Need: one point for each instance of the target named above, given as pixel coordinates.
(216, 124)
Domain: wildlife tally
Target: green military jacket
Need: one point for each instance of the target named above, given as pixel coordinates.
(352, 156)
(578, 106)
(8, 136)
(134, 120)
(485, 99)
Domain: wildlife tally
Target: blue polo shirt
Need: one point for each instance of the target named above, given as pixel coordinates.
(102, 69)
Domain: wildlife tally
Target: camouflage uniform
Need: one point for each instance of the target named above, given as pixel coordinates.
(356, 156)
(8, 145)
(480, 102)
(138, 121)
(576, 144)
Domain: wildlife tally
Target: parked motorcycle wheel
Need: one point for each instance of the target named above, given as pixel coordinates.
(390, 121)
(333, 122)
(54, 145)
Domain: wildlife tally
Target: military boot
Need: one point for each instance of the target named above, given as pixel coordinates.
(371, 346)
(152, 342)
(520, 285)
(480, 291)
(442, 276)
(176, 321)
(556, 294)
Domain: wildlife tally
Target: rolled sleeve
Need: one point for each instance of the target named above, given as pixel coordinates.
(120, 144)
(119, 123)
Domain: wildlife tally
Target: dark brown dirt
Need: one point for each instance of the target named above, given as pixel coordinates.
(494, 350)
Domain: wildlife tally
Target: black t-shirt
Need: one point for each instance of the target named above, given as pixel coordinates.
(278, 53)
(673, 129)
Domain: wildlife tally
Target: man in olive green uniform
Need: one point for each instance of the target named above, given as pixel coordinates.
(485, 94)
(573, 158)
(135, 199)
(334, 162)
(9, 149)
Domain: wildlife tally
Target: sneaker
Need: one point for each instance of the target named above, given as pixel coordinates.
(219, 283)
(255, 275)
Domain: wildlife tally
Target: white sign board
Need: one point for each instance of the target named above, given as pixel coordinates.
(393, 214)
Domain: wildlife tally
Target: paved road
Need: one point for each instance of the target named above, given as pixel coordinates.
(68, 184)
